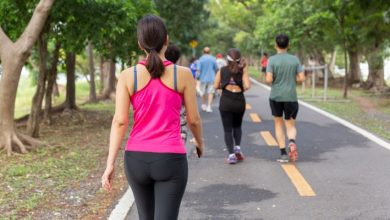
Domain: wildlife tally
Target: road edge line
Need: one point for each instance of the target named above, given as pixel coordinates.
(123, 206)
(347, 124)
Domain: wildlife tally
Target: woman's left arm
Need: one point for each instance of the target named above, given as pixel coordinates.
(118, 129)
(245, 79)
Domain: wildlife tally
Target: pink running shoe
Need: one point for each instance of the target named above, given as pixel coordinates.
(292, 152)
(238, 153)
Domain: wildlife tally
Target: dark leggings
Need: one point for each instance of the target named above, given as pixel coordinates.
(158, 181)
(232, 122)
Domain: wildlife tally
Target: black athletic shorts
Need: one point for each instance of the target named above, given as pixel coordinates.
(263, 69)
(290, 109)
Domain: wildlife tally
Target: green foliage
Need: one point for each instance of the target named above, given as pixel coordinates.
(15, 15)
(185, 19)
(232, 25)
(218, 36)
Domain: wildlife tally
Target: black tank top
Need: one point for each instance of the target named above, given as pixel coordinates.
(226, 76)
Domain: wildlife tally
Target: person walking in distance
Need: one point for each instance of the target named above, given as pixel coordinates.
(220, 61)
(264, 61)
(283, 72)
(233, 79)
(207, 66)
(173, 54)
(155, 156)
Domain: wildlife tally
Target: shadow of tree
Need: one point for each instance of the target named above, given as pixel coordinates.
(224, 197)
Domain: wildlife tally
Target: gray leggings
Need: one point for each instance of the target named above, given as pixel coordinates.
(232, 122)
(158, 182)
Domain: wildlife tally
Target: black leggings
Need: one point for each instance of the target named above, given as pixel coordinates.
(232, 122)
(158, 181)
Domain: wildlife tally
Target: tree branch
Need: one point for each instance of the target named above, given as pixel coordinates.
(35, 26)
(245, 4)
(4, 40)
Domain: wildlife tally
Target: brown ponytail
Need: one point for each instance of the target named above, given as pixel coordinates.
(236, 63)
(152, 35)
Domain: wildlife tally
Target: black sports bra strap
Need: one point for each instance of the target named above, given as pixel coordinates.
(174, 77)
(135, 78)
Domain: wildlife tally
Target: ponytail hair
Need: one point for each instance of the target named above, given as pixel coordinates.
(152, 35)
(236, 63)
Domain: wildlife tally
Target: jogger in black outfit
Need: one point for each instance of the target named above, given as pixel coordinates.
(233, 80)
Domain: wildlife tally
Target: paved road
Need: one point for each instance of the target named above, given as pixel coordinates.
(340, 174)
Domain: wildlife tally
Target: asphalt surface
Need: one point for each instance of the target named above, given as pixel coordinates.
(349, 174)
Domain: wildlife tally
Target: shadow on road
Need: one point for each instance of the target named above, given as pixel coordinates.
(224, 197)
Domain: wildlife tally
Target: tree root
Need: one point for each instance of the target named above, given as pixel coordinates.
(14, 142)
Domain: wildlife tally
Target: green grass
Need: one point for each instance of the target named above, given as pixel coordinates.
(348, 109)
(26, 92)
(75, 150)
(46, 171)
(100, 106)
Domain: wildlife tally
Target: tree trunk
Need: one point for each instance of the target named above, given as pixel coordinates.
(92, 86)
(36, 108)
(51, 78)
(345, 83)
(332, 65)
(110, 80)
(13, 56)
(102, 76)
(354, 68)
(56, 91)
(70, 101)
(376, 76)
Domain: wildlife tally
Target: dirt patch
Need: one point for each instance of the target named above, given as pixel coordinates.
(370, 106)
(63, 181)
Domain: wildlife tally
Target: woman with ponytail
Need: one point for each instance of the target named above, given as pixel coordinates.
(233, 79)
(155, 155)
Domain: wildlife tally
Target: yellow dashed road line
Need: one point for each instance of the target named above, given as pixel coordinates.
(255, 117)
(248, 106)
(267, 136)
(302, 186)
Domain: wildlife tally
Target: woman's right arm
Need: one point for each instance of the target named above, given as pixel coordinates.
(193, 118)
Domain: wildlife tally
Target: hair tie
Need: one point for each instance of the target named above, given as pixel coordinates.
(231, 59)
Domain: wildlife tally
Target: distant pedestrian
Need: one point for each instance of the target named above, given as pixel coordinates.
(173, 54)
(233, 79)
(221, 62)
(263, 63)
(194, 66)
(283, 71)
(207, 69)
(155, 156)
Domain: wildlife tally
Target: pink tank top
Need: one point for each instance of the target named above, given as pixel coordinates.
(156, 114)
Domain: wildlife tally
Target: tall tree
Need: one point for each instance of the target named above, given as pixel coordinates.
(91, 68)
(376, 29)
(13, 55)
(34, 118)
(185, 20)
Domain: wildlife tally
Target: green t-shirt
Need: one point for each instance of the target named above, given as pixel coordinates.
(284, 68)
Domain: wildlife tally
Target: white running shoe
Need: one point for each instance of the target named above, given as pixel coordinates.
(204, 107)
(209, 109)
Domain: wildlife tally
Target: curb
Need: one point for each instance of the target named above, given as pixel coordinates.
(123, 207)
(347, 124)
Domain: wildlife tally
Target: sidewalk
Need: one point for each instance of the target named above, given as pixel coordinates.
(340, 174)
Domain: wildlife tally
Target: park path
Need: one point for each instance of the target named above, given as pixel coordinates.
(340, 173)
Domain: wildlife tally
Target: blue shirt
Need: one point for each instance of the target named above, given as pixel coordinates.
(207, 66)
(193, 68)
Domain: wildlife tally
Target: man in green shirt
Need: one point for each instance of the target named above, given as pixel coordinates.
(283, 72)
